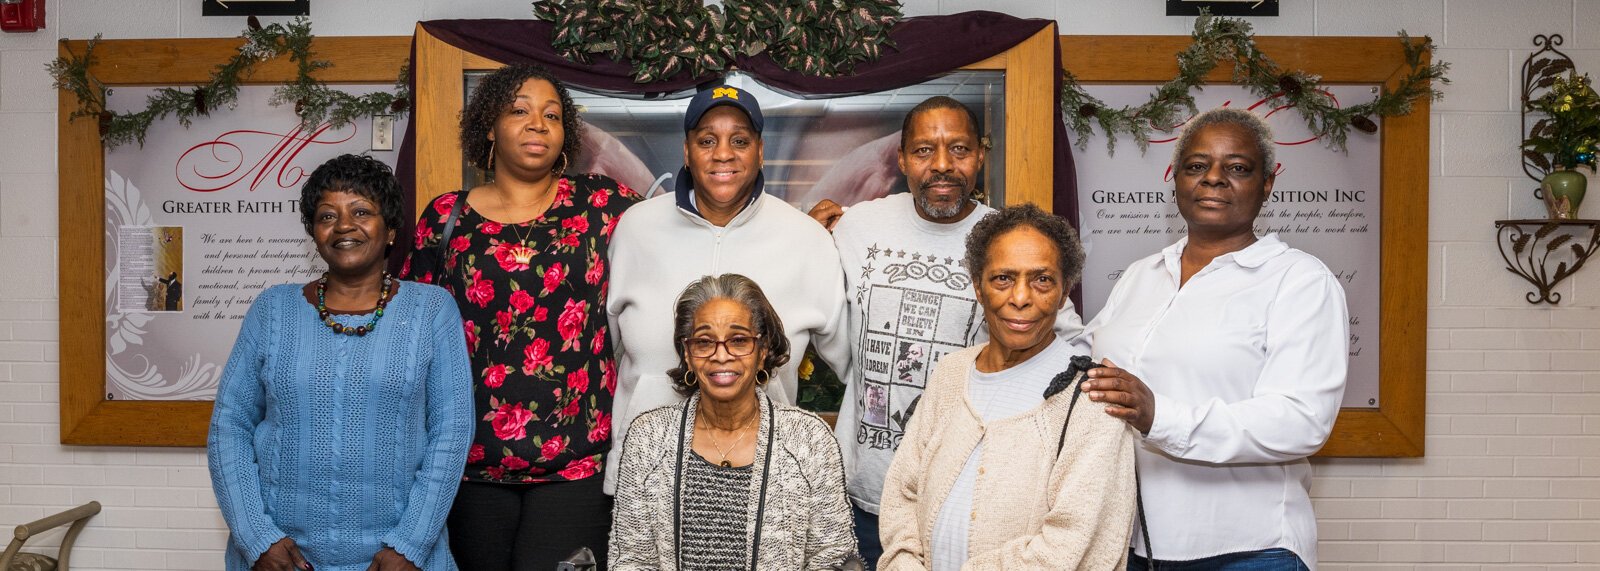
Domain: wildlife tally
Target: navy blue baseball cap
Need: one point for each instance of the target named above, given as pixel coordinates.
(722, 95)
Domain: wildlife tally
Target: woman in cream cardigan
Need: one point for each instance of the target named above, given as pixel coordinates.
(729, 479)
(985, 477)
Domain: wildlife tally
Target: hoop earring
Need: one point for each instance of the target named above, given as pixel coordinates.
(491, 157)
(762, 376)
(564, 164)
(688, 379)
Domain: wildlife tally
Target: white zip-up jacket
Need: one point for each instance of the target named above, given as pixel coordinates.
(661, 246)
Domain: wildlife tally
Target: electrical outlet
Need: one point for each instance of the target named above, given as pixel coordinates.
(383, 132)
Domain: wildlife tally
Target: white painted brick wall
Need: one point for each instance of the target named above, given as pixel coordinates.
(1512, 477)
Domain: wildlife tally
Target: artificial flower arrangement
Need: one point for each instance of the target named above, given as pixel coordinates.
(1568, 135)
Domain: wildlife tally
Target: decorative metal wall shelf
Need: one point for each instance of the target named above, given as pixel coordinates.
(1533, 243)
(1539, 72)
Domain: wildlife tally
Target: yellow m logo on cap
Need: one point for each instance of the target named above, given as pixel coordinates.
(728, 92)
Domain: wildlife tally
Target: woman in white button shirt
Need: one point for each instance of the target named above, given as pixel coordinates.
(1227, 352)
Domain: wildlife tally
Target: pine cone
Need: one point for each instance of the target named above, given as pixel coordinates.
(1290, 85)
(1363, 123)
(1087, 110)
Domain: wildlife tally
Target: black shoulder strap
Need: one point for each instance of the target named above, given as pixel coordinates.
(766, 473)
(1080, 365)
(444, 239)
(677, 486)
(1077, 389)
(1144, 527)
(1077, 366)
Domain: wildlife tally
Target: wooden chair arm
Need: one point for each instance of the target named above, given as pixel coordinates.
(50, 522)
(78, 517)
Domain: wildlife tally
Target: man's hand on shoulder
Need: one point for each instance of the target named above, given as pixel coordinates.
(826, 213)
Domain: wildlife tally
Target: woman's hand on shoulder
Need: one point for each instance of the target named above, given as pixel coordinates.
(284, 555)
(1126, 397)
(390, 560)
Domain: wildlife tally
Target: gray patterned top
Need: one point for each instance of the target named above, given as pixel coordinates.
(715, 512)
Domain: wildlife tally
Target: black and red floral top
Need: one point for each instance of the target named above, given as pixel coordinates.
(533, 299)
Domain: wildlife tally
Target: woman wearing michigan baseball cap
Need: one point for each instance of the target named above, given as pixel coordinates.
(717, 220)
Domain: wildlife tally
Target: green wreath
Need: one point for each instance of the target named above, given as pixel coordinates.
(816, 37)
(1229, 39)
(314, 102)
(663, 37)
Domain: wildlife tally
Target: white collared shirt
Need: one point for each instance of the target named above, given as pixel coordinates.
(1247, 361)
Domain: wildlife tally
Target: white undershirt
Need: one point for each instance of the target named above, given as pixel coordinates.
(993, 396)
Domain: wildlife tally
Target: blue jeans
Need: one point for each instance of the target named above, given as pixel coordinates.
(1264, 560)
(867, 536)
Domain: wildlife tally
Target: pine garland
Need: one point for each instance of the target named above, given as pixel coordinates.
(661, 38)
(1219, 39)
(314, 101)
(815, 37)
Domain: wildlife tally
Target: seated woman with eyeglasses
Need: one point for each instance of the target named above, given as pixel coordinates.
(729, 479)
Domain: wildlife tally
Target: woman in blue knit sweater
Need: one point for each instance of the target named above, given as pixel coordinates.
(345, 410)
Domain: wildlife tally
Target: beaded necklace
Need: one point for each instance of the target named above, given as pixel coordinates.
(361, 330)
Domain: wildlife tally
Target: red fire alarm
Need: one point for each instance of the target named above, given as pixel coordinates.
(21, 15)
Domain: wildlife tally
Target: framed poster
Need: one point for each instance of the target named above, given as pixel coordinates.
(840, 148)
(1254, 8)
(1021, 89)
(255, 7)
(1324, 202)
(199, 220)
(180, 233)
(1378, 217)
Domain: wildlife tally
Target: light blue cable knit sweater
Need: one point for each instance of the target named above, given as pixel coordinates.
(345, 444)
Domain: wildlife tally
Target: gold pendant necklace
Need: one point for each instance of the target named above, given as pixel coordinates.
(549, 200)
(507, 207)
(522, 239)
(722, 453)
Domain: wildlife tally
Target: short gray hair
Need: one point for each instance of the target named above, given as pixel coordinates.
(741, 290)
(1069, 251)
(1247, 120)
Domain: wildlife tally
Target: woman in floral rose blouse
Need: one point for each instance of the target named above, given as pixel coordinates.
(527, 264)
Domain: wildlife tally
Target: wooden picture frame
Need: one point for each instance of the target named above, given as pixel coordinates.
(255, 8)
(1397, 426)
(87, 417)
(1029, 102)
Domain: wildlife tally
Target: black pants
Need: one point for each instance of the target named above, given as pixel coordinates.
(868, 541)
(504, 527)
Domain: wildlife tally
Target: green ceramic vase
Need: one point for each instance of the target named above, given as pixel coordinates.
(1563, 192)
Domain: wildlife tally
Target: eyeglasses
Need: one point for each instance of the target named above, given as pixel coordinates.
(737, 346)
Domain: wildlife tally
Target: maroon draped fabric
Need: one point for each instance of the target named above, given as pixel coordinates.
(924, 47)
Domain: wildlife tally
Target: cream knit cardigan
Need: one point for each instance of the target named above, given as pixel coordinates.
(1030, 509)
(806, 524)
